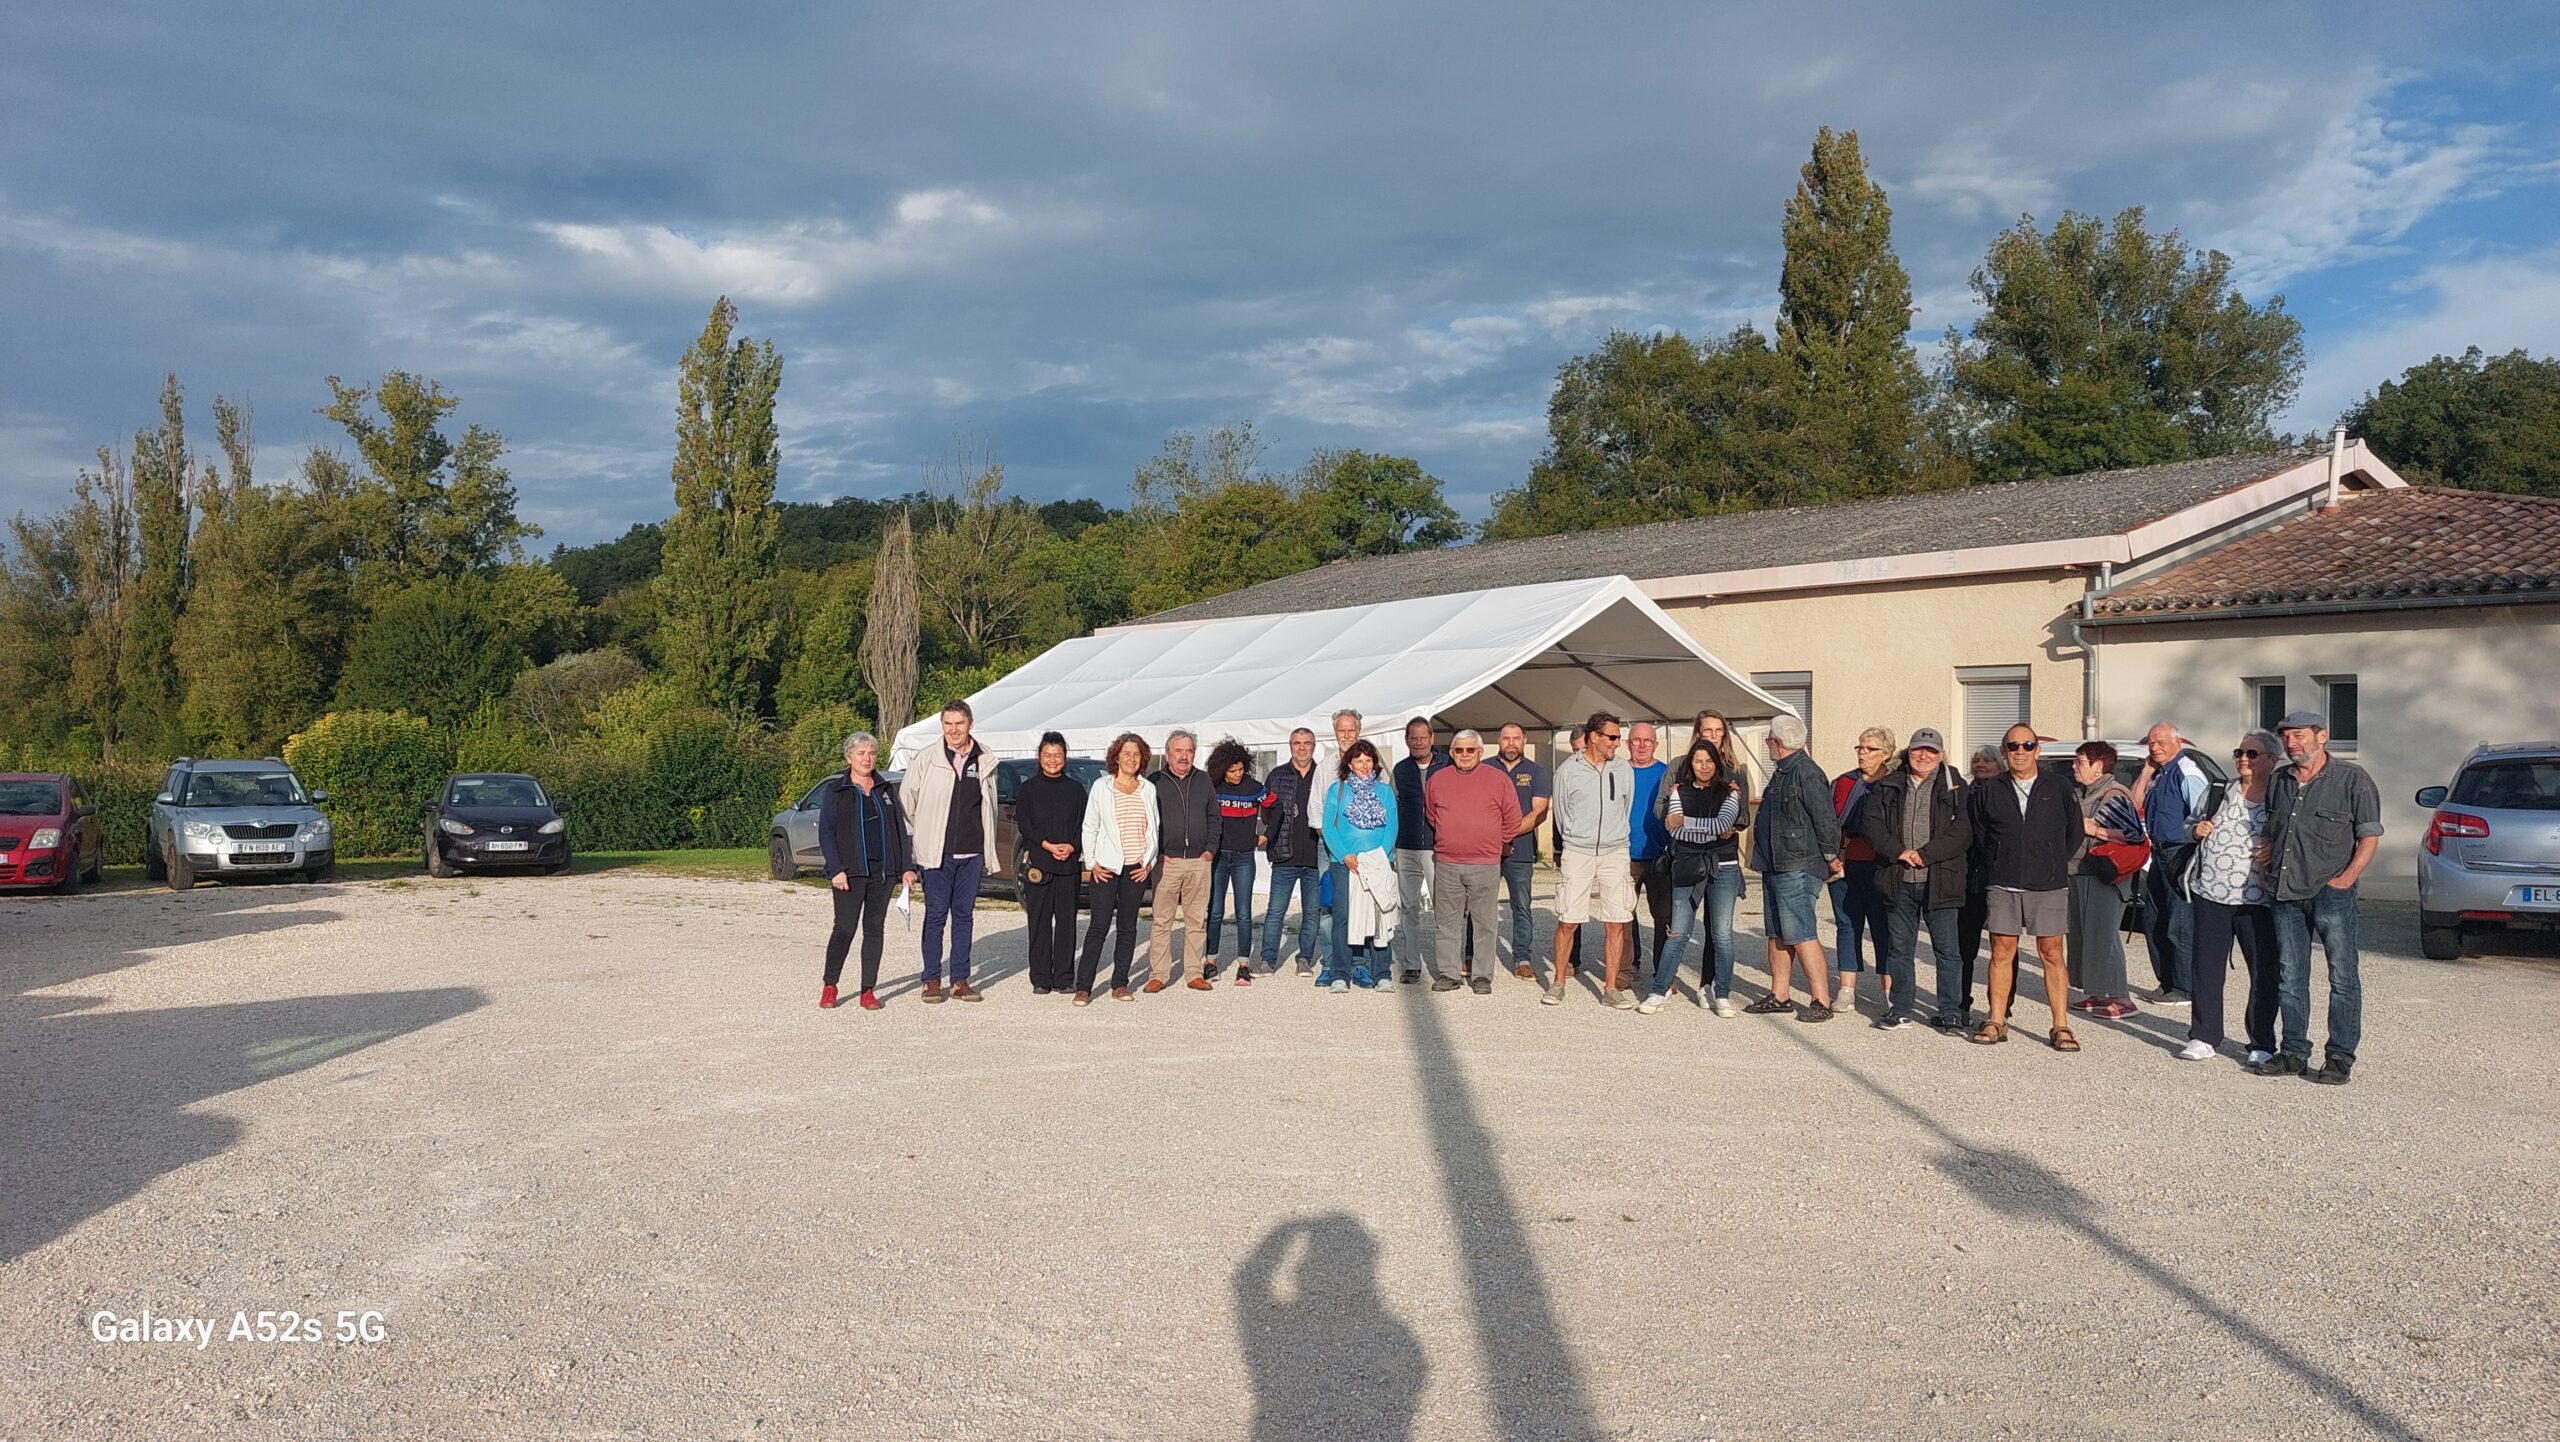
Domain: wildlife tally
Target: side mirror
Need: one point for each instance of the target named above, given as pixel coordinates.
(2431, 797)
(319, 796)
(164, 799)
(83, 809)
(429, 809)
(559, 805)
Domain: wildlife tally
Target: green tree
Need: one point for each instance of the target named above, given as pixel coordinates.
(1209, 520)
(42, 611)
(435, 648)
(426, 505)
(1373, 505)
(824, 664)
(1844, 316)
(2103, 345)
(2491, 423)
(105, 556)
(891, 621)
(151, 703)
(715, 590)
(976, 588)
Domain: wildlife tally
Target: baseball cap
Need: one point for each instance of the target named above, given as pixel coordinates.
(1927, 738)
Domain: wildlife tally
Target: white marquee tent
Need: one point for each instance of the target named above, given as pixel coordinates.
(1545, 656)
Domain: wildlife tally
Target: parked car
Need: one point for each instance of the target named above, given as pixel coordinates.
(2492, 853)
(793, 847)
(49, 833)
(482, 819)
(236, 818)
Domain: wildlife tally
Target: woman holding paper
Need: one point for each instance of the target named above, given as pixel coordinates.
(862, 833)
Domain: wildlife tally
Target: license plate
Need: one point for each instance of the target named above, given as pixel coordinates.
(2542, 896)
(263, 848)
(510, 846)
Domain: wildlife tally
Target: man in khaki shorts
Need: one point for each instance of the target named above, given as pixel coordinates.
(1594, 799)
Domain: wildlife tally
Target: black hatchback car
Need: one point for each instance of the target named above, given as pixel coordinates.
(486, 818)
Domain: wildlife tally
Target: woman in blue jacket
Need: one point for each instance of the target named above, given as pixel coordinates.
(863, 836)
(1359, 818)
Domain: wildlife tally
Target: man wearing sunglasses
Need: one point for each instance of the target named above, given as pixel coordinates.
(2030, 823)
(1595, 801)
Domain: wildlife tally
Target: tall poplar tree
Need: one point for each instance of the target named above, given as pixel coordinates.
(98, 541)
(153, 696)
(717, 626)
(890, 626)
(1844, 317)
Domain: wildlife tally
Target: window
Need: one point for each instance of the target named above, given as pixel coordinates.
(2266, 702)
(1995, 698)
(2338, 701)
(1795, 688)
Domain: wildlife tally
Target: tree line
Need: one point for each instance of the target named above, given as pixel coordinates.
(183, 602)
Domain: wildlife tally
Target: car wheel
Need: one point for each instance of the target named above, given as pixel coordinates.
(2440, 943)
(70, 882)
(326, 871)
(778, 859)
(437, 866)
(152, 866)
(98, 867)
(182, 877)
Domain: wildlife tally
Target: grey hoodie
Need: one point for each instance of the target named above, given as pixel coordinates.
(1593, 803)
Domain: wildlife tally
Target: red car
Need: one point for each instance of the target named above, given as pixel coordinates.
(49, 833)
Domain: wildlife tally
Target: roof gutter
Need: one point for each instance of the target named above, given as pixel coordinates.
(2332, 608)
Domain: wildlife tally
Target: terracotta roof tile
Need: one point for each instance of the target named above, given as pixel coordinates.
(2375, 547)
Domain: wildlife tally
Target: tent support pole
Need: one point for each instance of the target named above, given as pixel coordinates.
(1497, 690)
(1647, 707)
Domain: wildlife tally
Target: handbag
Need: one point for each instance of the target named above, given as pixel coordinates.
(2113, 861)
(1690, 866)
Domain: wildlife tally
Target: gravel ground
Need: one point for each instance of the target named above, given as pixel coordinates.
(603, 1170)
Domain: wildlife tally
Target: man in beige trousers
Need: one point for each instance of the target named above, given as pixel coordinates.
(1187, 823)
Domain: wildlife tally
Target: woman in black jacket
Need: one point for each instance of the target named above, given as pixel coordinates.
(1048, 823)
(863, 836)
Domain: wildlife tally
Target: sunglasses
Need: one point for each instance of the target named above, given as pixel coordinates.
(2020, 745)
(1464, 750)
(1609, 735)
(2249, 751)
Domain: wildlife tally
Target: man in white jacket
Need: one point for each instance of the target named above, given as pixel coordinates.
(949, 793)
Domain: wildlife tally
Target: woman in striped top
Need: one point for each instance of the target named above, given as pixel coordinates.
(1120, 847)
(1701, 811)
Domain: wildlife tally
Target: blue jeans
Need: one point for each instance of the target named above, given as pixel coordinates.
(1231, 868)
(1276, 910)
(1786, 906)
(1857, 916)
(951, 894)
(1716, 896)
(1904, 911)
(1517, 876)
(2332, 915)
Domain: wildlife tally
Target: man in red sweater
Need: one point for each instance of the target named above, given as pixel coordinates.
(1475, 811)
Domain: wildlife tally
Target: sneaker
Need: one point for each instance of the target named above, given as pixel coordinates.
(1770, 1005)
(870, 1002)
(2166, 997)
(2257, 1057)
(1244, 974)
(1411, 977)
(1619, 1000)
(963, 991)
(1724, 1006)
(826, 998)
(1946, 1021)
(2284, 1064)
(1306, 967)
(1084, 998)
(1553, 995)
(2196, 1051)
(1651, 1004)
(1042, 990)
(1361, 978)
(1120, 993)
(2332, 1073)
(1893, 1021)
(1815, 1012)
(1339, 987)
(1480, 985)
(932, 989)
(1446, 983)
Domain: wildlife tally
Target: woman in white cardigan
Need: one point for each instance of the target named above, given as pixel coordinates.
(1120, 847)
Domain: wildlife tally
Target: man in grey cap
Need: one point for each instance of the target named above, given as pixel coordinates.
(2324, 824)
(1919, 823)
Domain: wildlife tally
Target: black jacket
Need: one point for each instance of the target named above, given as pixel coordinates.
(1051, 808)
(2029, 850)
(845, 816)
(1950, 834)
(1186, 814)
(1290, 801)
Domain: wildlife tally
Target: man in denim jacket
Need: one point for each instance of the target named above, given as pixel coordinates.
(2324, 824)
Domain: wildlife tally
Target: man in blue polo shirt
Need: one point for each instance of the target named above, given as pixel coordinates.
(1520, 864)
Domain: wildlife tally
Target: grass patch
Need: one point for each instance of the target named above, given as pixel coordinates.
(740, 863)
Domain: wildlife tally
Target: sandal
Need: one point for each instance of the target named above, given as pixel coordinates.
(2063, 1040)
(1990, 1033)
(1770, 1006)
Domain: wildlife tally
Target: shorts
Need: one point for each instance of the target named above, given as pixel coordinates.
(1786, 906)
(1581, 873)
(2029, 913)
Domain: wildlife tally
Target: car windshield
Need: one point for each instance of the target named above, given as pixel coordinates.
(30, 798)
(2519, 785)
(243, 788)
(496, 791)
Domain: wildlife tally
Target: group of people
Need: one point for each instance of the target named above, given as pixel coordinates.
(1399, 871)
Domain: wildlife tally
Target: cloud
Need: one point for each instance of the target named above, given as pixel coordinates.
(2498, 303)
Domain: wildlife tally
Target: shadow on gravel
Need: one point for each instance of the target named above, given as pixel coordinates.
(2018, 1187)
(97, 1104)
(53, 941)
(1327, 1358)
(1533, 1387)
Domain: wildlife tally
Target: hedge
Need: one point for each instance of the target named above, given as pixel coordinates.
(380, 768)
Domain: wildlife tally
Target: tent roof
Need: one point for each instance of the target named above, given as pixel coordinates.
(1544, 655)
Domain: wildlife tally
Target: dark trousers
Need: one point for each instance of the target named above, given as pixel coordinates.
(1115, 915)
(2217, 926)
(860, 908)
(1051, 907)
(2168, 918)
(1904, 912)
(951, 895)
(1971, 919)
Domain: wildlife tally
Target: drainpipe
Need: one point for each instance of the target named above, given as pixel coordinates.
(2088, 652)
(2337, 463)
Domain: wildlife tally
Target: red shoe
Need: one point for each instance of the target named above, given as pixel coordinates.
(827, 998)
(1119, 993)
(2089, 1003)
(1201, 983)
(871, 1003)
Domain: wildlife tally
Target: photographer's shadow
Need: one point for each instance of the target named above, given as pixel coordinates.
(1327, 1359)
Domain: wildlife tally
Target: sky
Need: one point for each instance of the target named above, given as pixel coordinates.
(1069, 231)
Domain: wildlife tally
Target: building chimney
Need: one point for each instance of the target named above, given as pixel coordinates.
(2337, 463)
